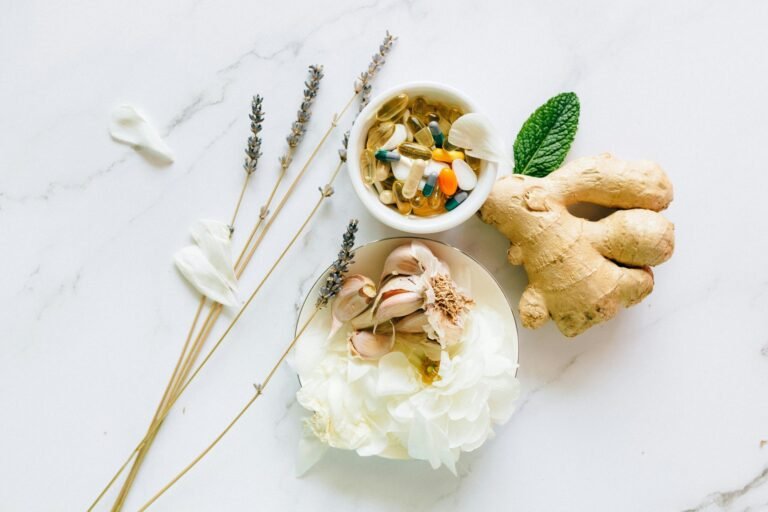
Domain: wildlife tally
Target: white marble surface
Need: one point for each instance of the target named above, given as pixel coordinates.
(663, 408)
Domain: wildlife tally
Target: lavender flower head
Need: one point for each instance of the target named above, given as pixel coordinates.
(253, 149)
(363, 84)
(298, 128)
(339, 267)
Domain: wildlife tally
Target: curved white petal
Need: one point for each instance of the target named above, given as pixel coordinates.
(128, 126)
(475, 133)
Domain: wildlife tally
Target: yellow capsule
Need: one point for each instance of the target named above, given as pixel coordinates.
(445, 125)
(473, 162)
(414, 150)
(387, 197)
(424, 137)
(367, 166)
(381, 172)
(379, 134)
(411, 184)
(414, 124)
(442, 110)
(454, 114)
(418, 201)
(392, 108)
(441, 155)
(419, 106)
(437, 200)
(449, 147)
(402, 203)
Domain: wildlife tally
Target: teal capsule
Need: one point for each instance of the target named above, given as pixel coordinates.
(455, 200)
(387, 156)
(429, 186)
(437, 133)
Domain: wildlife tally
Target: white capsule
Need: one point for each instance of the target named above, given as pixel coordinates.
(402, 168)
(397, 137)
(465, 176)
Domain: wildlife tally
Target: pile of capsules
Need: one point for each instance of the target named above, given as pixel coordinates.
(410, 163)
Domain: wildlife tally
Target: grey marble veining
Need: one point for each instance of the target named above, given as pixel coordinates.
(663, 408)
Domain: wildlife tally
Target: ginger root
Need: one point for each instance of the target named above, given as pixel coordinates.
(580, 271)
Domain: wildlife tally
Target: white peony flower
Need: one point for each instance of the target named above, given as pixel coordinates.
(401, 405)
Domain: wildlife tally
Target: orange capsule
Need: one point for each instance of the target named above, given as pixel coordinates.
(441, 155)
(448, 182)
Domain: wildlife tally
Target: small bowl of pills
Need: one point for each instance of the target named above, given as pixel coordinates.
(404, 168)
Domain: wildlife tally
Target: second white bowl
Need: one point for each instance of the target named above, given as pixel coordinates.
(389, 216)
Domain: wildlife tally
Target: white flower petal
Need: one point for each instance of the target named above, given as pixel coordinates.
(476, 135)
(396, 376)
(310, 451)
(213, 237)
(196, 268)
(208, 265)
(128, 126)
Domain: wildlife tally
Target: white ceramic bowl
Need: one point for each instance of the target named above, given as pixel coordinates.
(388, 215)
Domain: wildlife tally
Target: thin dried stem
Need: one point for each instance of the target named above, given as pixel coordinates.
(257, 394)
(362, 87)
(329, 290)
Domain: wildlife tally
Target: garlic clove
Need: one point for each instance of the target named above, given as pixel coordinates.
(400, 304)
(369, 345)
(401, 261)
(356, 295)
(363, 321)
(413, 324)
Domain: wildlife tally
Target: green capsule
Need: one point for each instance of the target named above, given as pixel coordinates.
(455, 200)
(414, 150)
(392, 108)
(429, 186)
(437, 133)
(387, 156)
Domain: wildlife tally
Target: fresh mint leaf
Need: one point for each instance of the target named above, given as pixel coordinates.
(546, 136)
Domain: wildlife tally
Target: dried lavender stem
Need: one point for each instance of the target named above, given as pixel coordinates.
(140, 451)
(242, 263)
(329, 290)
(257, 394)
(239, 201)
(362, 88)
(252, 155)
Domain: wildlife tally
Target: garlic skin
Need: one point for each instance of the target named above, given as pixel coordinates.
(414, 323)
(356, 295)
(400, 262)
(371, 346)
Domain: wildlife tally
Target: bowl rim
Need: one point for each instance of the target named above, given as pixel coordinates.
(383, 213)
(439, 242)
